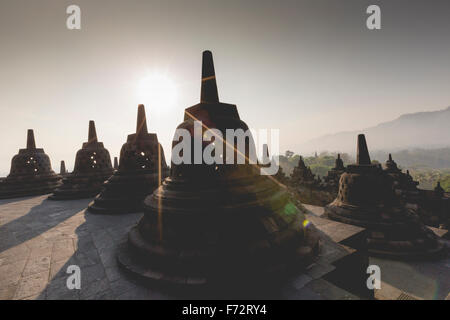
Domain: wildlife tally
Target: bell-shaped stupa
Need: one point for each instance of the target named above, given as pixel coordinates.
(404, 185)
(31, 173)
(216, 223)
(391, 166)
(116, 163)
(92, 168)
(302, 175)
(142, 169)
(366, 198)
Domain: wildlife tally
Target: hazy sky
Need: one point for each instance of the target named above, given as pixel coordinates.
(305, 67)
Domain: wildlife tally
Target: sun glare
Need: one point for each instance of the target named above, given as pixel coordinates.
(157, 90)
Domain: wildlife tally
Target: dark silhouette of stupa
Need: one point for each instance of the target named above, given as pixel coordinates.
(217, 225)
(333, 176)
(302, 175)
(31, 173)
(142, 169)
(366, 198)
(404, 185)
(92, 168)
(62, 169)
(116, 163)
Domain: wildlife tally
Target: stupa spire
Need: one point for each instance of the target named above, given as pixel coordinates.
(62, 169)
(209, 92)
(362, 156)
(31, 144)
(141, 124)
(92, 132)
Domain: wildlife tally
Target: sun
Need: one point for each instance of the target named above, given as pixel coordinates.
(157, 90)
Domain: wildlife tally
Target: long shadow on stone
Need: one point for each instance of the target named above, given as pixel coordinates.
(95, 254)
(40, 219)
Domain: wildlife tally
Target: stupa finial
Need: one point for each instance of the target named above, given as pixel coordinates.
(31, 144)
(62, 169)
(141, 124)
(362, 156)
(209, 92)
(92, 132)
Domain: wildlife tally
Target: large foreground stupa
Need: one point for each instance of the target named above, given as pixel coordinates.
(92, 168)
(141, 170)
(31, 173)
(217, 224)
(366, 198)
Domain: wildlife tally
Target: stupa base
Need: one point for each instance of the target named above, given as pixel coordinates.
(79, 187)
(124, 193)
(9, 191)
(401, 239)
(137, 258)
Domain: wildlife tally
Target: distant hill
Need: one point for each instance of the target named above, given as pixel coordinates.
(426, 130)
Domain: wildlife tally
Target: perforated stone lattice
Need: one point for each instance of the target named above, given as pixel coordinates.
(31, 173)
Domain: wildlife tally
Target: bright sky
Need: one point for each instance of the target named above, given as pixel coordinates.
(307, 68)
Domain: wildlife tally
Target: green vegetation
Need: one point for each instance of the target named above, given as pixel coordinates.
(428, 178)
(418, 162)
(320, 164)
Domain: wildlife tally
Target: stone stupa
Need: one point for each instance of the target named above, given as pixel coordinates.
(217, 225)
(92, 168)
(142, 169)
(366, 198)
(31, 173)
(302, 175)
(404, 185)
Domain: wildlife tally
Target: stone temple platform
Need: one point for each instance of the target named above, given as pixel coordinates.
(409, 280)
(39, 239)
